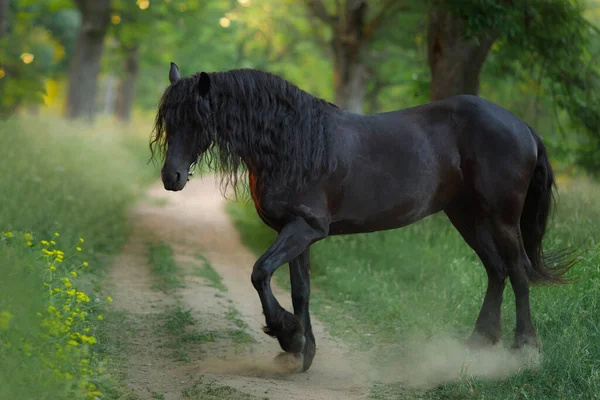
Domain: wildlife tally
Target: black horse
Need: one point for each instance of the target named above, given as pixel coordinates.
(316, 170)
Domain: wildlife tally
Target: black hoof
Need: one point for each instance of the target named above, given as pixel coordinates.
(290, 334)
(309, 352)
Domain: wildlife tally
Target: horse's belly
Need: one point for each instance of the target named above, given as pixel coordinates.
(365, 220)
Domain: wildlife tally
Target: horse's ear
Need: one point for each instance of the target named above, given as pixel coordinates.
(203, 84)
(174, 73)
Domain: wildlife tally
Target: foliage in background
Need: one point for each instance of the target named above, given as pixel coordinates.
(543, 66)
(35, 47)
(551, 50)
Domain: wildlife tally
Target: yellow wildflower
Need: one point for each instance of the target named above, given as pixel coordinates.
(29, 243)
(73, 273)
(81, 240)
(56, 234)
(27, 236)
(9, 234)
(52, 242)
(109, 299)
(100, 317)
(78, 248)
(81, 296)
(5, 318)
(52, 268)
(47, 252)
(88, 339)
(51, 309)
(71, 292)
(45, 242)
(85, 264)
(73, 343)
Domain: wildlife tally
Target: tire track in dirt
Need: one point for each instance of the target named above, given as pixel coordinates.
(195, 221)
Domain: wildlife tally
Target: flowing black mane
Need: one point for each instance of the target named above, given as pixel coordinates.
(282, 133)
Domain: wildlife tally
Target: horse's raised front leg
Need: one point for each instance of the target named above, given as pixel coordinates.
(300, 280)
(291, 242)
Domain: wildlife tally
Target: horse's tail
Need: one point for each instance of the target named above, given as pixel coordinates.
(545, 267)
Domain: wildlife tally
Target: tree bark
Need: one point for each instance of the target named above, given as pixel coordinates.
(352, 34)
(85, 63)
(350, 75)
(454, 61)
(3, 17)
(128, 82)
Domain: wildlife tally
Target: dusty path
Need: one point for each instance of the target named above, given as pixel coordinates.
(194, 222)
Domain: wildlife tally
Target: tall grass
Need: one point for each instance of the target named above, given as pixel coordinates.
(397, 288)
(74, 180)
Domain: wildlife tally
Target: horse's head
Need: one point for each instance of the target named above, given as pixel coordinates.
(181, 130)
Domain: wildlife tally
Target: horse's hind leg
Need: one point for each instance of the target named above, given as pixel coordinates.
(496, 238)
(478, 233)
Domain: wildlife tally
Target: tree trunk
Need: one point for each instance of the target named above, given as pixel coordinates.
(85, 63)
(128, 83)
(454, 62)
(3, 17)
(350, 75)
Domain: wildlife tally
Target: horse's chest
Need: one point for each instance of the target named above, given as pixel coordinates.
(256, 192)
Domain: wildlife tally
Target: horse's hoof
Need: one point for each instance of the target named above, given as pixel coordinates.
(291, 339)
(309, 353)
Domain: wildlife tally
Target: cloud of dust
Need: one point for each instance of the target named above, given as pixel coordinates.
(443, 359)
(256, 365)
(418, 363)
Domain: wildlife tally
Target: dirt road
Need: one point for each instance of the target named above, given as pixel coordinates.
(206, 333)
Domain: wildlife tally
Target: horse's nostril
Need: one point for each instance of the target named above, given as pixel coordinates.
(177, 176)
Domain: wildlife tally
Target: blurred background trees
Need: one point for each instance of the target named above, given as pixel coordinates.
(109, 58)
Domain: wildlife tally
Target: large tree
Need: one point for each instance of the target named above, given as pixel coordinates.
(455, 61)
(546, 39)
(85, 62)
(353, 28)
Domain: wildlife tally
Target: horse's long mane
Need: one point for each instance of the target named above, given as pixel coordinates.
(283, 134)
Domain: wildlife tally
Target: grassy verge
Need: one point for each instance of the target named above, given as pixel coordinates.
(403, 287)
(76, 181)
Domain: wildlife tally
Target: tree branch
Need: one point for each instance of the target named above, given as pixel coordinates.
(318, 10)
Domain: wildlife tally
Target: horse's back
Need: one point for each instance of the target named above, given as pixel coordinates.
(403, 166)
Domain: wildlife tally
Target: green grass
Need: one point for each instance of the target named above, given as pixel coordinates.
(71, 179)
(401, 289)
(209, 273)
(166, 272)
(211, 391)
